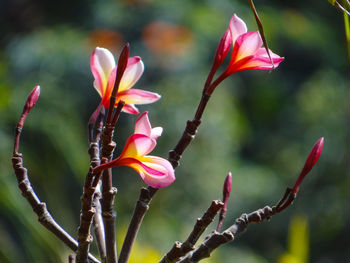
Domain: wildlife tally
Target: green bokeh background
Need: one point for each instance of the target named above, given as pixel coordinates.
(259, 125)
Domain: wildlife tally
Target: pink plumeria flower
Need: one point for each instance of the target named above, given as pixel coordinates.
(247, 52)
(155, 171)
(103, 68)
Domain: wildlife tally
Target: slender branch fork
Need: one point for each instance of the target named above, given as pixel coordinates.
(216, 239)
(40, 208)
(91, 199)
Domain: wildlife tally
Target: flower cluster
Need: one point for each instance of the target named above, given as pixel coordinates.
(247, 53)
(157, 172)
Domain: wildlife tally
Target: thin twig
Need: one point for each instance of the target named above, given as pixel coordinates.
(340, 7)
(44, 217)
(216, 239)
(97, 223)
(181, 249)
(108, 194)
(142, 205)
(39, 207)
(87, 209)
(261, 30)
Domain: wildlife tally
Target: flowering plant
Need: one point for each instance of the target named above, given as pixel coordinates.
(114, 85)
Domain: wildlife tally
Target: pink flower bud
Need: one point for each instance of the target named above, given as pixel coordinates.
(311, 160)
(227, 187)
(223, 48)
(122, 64)
(32, 99)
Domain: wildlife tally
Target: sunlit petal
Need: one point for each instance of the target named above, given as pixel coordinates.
(156, 132)
(102, 63)
(132, 73)
(137, 96)
(237, 27)
(259, 62)
(246, 45)
(138, 145)
(142, 125)
(131, 109)
(161, 165)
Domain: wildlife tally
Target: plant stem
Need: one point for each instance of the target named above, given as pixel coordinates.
(97, 223)
(216, 239)
(44, 217)
(181, 249)
(108, 194)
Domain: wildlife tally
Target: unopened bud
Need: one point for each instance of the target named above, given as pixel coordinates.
(32, 99)
(122, 64)
(227, 187)
(221, 52)
(223, 48)
(311, 160)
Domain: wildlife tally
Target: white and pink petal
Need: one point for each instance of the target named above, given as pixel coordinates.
(138, 145)
(142, 125)
(247, 44)
(237, 27)
(138, 96)
(132, 73)
(102, 63)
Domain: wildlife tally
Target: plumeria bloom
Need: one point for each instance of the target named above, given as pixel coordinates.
(103, 68)
(247, 52)
(155, 171)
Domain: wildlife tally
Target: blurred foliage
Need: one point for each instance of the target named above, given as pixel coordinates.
(258, 125)
(298, 242)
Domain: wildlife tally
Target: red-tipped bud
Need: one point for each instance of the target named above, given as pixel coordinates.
(32, 99)
(223, 48)
(226, 194)
(227, 187)
(30, 102)
(122, 63)
(311, 160)
(221, 52)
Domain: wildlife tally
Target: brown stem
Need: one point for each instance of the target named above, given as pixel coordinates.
(147, 194)
(108, 194)
(181, 249)
(97, 223)
(44, 217)
(86, 215)
(70, 258)
(142, 205)
(216, 239)
(87, 208)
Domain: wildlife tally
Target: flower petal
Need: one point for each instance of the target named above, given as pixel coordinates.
(138, 145)
(142, 125)
(130, 108)
(246, 45)
(109, 88)
(165, 172)
(258, 62)
(156, 132)
(137, 96)
(237, 27)
(161, 165)
(133, 72)
(102, 63)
